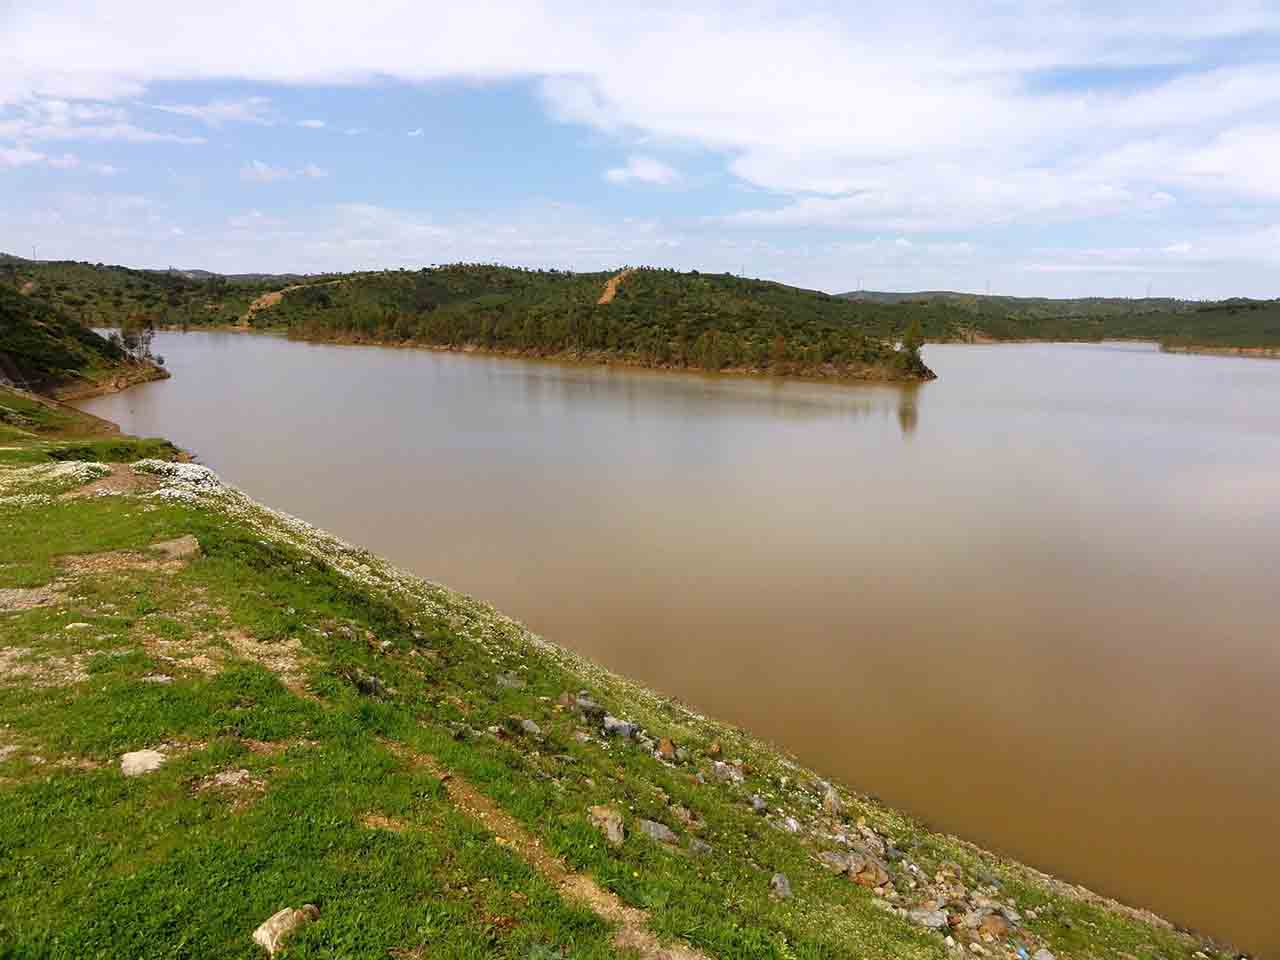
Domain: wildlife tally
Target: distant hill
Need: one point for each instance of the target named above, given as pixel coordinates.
(1234, 323)
(657, 318)
(43, 350)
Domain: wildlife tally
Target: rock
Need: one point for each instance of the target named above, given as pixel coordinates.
(608, 821)
(993, 925)
(978, 949)
(839, 862)
(758, 805)
(531, 728)
(182, 548)
(791, 825)
(510, 681)
(682, 755)
(368, 684)
(659, 831)
(933, 919)
(1042, 954)
(77, 626)
(780, 886)
(831, 802)
(725, 772)
(699, 847)
(666, 749)
(714, 750)
(141, 761)
(613, 727)
(866, 871)
(270, 935)
(647, 744)
(589, 708)
(565, 700)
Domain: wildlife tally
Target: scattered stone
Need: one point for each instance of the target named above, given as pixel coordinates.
(791, 825)
(608, 821)
(831, 802)
(78, 626)
(725, 772)
(866, 871)
(682, 755)
(1043, 954)
(531, 728)
(780, 886)
(993, 925)
(758, 804)
(509, 681)
(141, 761)
(589, 708)
(157, 678)
(270, 935)
(933, 919)
(613, 727)
(648, 744)
(582, 736)
(666, 749)
(368, 684)
(832, 860)
(659, 831)
(699, 847)
(978, 949)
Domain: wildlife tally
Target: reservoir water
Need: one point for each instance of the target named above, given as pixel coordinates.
(1035, 603)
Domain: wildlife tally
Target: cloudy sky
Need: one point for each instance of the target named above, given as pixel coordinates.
(1039, 147)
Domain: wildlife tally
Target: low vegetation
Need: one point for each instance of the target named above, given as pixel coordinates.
(1175, 324)
(44, 349)
(211, 712)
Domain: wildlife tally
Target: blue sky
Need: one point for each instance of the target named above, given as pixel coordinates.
(1038, 148)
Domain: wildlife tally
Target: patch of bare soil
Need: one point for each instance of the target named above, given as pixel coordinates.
(632, 923)
(20, 598)
(611, 286)
(17, 664)
(269, 300)
(165, 555)
(122, 479)
(282, 659)
(239, 787)
(378, 821)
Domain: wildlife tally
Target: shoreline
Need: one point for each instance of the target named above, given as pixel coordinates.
(821, 814)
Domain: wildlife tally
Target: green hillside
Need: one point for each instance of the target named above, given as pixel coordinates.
(43, 349)
(657, 318)
(105, 296)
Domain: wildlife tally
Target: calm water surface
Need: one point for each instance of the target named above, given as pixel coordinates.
(1034, 603)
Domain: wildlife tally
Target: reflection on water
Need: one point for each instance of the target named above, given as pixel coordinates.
(1032, 602)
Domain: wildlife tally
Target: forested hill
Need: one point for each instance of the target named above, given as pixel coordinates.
(657, 318)
(1238, 322)
(44, 350)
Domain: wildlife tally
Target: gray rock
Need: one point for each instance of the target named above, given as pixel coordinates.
(791, 825)
(77, 626)
(609, 822)
(1043, 954)
(648, 744)
(271, 934)
(589, 708)
(933, 919)
(699, 847)
(613, 727)
(141, 761)
(531, 728)
(368, 684)
(726, 772)
(659, 831)
(758, 804)
(510, 681)
(780, 886)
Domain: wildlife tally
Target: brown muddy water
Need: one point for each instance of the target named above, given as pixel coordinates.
(1036, 603)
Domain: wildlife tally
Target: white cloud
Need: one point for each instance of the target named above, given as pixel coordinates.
(642, 170)
(105, 169)
(19, 157)
(217, 112)
(49, 119)
(417, 132)
(66, 161)
(255, 171)
(312, 124)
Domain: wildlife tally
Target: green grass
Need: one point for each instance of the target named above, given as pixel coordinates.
(96, 865)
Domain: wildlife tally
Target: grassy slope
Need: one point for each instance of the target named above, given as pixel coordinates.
(658, 318)
(288, 778)
(46, 350)
(1173, 323)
